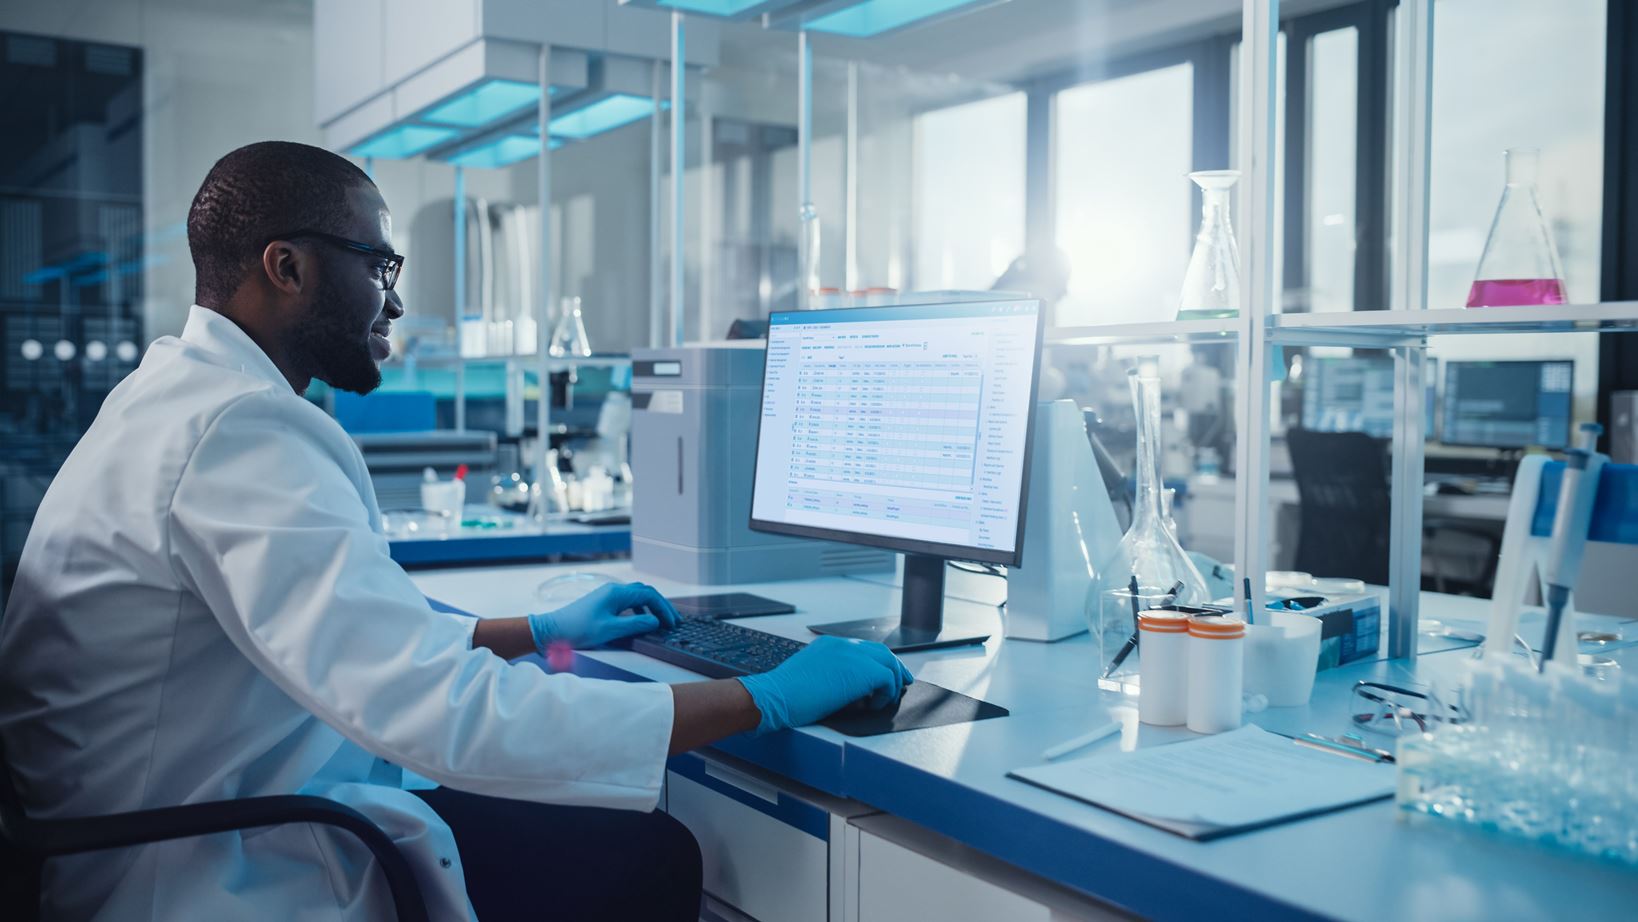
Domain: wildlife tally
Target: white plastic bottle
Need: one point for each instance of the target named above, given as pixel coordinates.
(1216, 672)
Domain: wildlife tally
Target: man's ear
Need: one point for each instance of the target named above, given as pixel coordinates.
(286, 268)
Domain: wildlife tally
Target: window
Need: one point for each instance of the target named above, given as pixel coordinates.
(1122, 150)
(1515, 73)
(969, 192)
(1333, 119)
(1550, 96)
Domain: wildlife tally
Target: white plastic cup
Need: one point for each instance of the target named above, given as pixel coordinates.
(446, 498)
(1163, 664)
(1216, 673)
(1281, 656)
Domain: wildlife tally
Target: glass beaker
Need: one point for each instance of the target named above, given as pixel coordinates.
(1519, 264)
(1211, 285)
(1148, 565)
(569, 336)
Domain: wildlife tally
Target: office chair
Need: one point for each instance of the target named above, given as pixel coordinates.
(26, 843)
(1342, 485)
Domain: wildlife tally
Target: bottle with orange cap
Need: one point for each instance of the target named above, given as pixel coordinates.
(1216, 672)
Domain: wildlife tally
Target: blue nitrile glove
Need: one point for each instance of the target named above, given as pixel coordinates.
(825, 676)
(595, 618)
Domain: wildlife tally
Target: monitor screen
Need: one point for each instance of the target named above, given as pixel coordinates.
(1508, 404)
(1352, 394)
(899, 427)
(1355, 394)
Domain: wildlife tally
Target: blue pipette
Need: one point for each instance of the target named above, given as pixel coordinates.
(1576, 493)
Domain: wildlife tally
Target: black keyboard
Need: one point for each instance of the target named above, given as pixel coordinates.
(716, 648)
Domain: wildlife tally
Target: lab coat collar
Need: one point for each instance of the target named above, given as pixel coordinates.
(215, 333)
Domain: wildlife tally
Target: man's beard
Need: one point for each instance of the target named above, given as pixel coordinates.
(333, 352)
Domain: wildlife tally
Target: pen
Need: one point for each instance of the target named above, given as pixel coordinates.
(1326, 744)
(1131, 642)
(1078, 742)
(1250, 615)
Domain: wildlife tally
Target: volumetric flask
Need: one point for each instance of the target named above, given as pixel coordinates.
(1519, 264)
(1211, 285)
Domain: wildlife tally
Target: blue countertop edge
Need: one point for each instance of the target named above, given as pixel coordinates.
(503, 548)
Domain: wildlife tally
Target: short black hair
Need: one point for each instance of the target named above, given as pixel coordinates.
(262, 189)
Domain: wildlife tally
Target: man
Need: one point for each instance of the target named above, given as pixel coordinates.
(205, 609)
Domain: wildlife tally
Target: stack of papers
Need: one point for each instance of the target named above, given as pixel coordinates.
(1219, 785)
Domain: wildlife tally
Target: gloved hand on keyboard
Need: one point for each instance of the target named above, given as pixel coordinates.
(825, 676)
(595, 618)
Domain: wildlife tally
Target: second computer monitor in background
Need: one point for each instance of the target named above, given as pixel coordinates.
(1508, 404)
(1355, 394)
(906, 428)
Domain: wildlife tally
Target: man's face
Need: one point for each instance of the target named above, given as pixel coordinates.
(340, 336)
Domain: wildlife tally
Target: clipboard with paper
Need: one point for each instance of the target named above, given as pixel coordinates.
(1217, 786)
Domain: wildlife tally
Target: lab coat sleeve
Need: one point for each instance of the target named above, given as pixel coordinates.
(269, 529)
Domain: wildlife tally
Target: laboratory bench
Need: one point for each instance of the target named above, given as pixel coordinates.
(491, 536)
(811, 824)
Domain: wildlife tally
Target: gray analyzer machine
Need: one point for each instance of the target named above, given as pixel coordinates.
(693, 458)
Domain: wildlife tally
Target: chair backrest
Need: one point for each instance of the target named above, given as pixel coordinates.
(1342, 482)
(19, 869)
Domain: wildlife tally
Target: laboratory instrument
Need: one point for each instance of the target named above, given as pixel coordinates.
(1547, 756)
(396, 460)
(569, 334)
(1519, 264)
(1148, 562)
(693, 454)
(1577, 490)
(1069, 527)
(1211, 284)
(1108, 729)
(1216, 673)
(1512, 404)
(905, 428)
(1164, 668)
(1624, 427)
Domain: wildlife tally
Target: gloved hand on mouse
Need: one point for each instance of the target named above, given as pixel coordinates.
(825, 676)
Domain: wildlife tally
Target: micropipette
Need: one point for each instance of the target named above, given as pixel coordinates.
(1576, 492)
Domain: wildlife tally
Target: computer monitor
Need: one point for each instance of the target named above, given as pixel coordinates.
(906, 428)
(1355, 394)
(1508, 404)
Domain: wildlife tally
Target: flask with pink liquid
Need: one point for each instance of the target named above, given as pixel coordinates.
(1519, 264)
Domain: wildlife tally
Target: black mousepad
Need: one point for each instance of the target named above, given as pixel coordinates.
(923, 705)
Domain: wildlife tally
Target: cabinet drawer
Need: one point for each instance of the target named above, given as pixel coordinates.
(766, 853)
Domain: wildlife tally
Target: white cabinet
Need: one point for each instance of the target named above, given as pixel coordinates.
(899, 871)
(770, 848)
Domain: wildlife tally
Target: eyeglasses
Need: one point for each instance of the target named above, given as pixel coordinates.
(1391, 709)
(392, 263)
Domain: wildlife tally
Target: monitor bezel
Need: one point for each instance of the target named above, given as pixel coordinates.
(1011, 558)
(1444, 396)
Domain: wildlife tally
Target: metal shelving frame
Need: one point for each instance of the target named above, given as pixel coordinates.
(1403, 330)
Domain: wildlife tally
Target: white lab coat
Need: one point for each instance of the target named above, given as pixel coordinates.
(205, 609)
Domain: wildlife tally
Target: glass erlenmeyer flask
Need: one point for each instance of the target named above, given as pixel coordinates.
(1519, 264)
(569, 336)
(1149, 568)
(1211, 285)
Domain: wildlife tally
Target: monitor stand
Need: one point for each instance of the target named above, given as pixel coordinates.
(921, 624)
